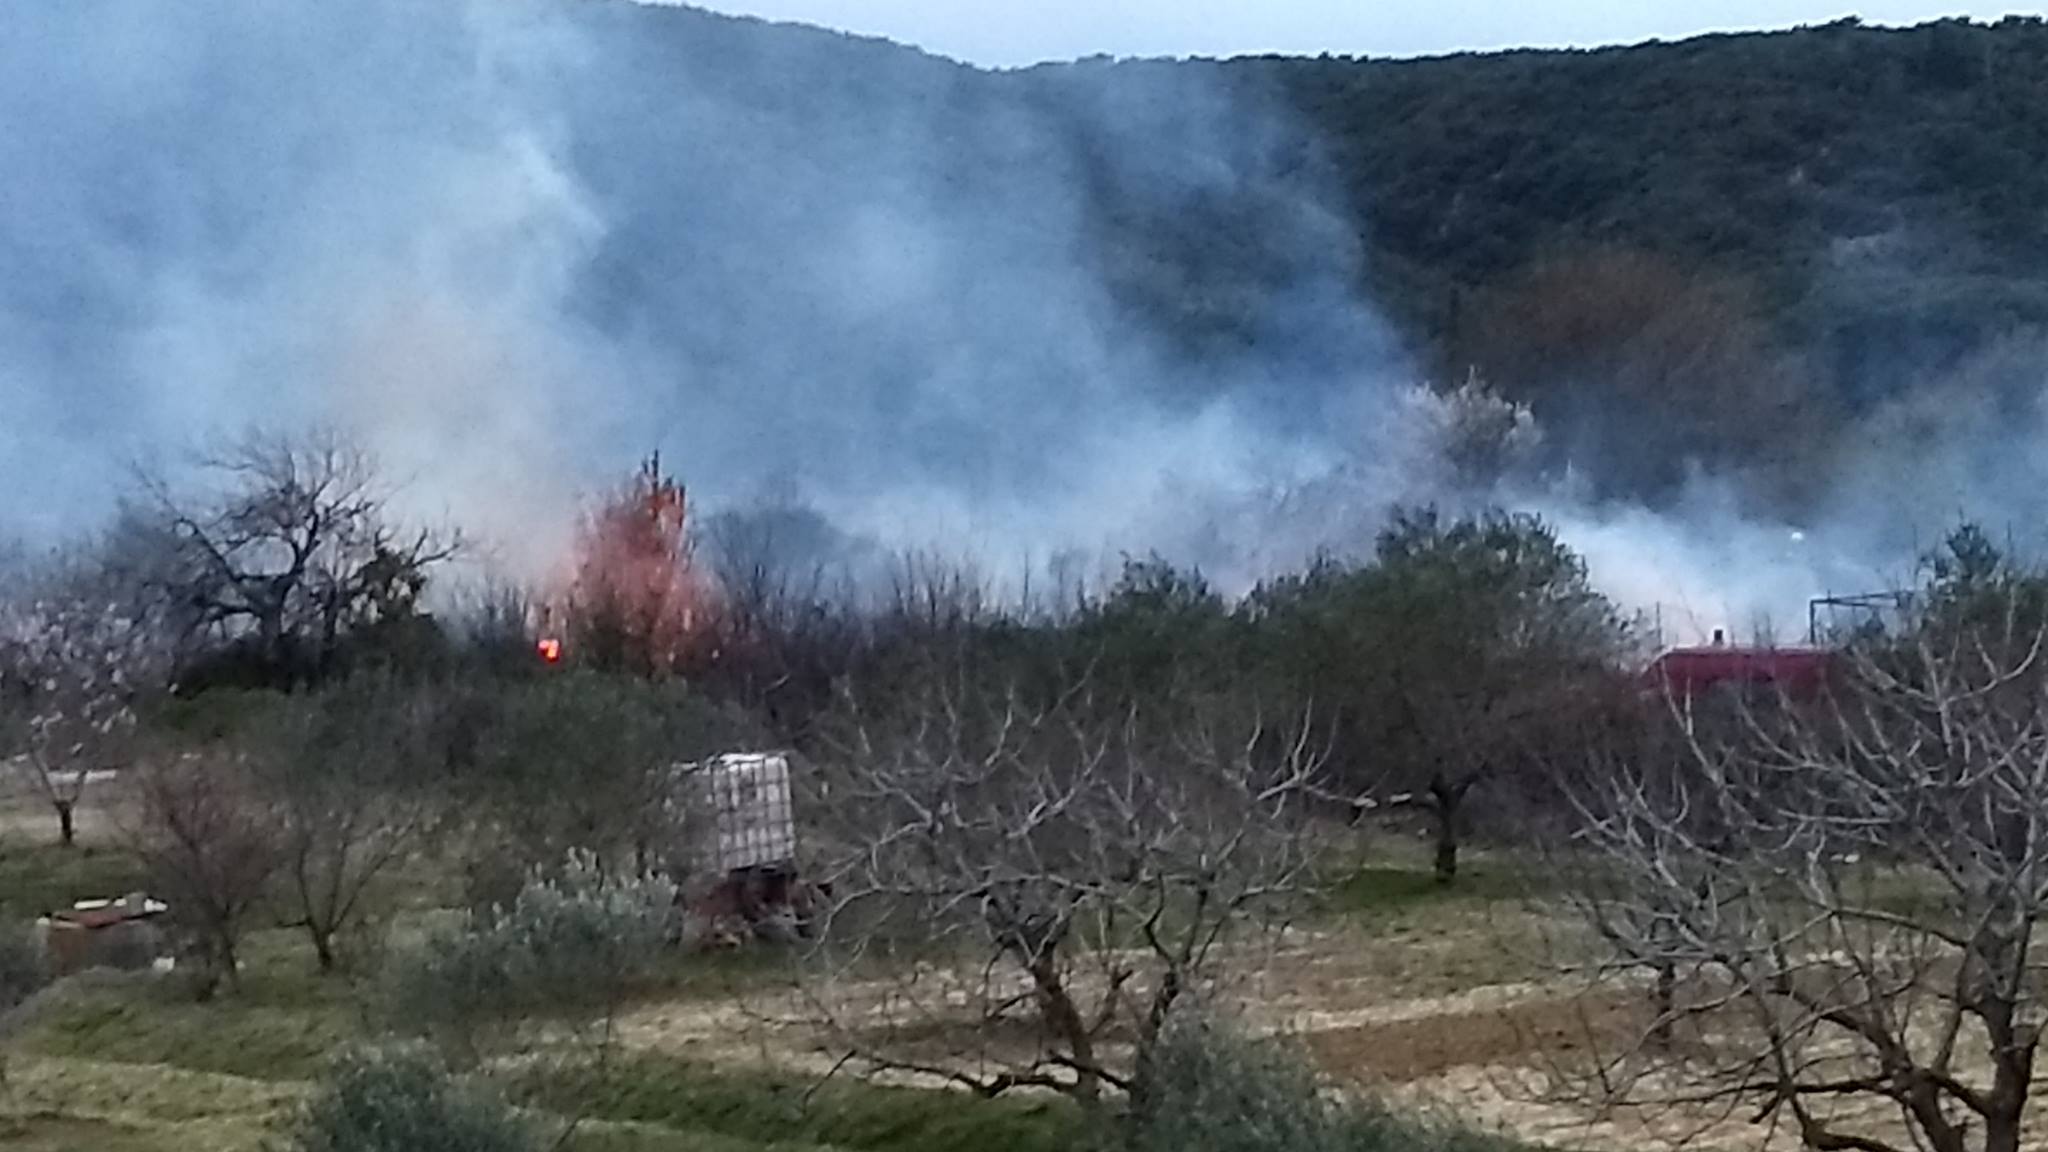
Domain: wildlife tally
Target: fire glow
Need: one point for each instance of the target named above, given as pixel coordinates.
(633, 595)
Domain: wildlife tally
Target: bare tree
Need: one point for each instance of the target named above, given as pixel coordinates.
(348, 771)
(785, 623)
(1048, 878)
(74, 654)
(497, 624)
(210, 844)
(771, 563)
(286, 547)
(1837, 901)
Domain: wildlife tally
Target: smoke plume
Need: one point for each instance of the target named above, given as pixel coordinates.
(516, 246)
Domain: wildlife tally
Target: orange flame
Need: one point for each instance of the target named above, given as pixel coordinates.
(634, 565)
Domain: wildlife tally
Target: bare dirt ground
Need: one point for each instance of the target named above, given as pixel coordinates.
(25, 817)
(1456, 1013)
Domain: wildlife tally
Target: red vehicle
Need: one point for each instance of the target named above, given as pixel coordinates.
(1684, 673)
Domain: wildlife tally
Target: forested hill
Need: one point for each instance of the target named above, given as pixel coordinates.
(1881, 189)
(1771, 155)
(1718, 252)
(929, 290)
(1852, 212)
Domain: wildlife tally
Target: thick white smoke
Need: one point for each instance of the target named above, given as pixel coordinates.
(518, 245)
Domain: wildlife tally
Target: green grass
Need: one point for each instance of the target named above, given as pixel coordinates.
(649, 1138)
(286, 1020)
(278, 1030)
(723, 972)
(758, 1108)
(147, 1026)
(1382, 889)
(46, 1133)
(1373, 1128)
(280, 1025)
(43, 877)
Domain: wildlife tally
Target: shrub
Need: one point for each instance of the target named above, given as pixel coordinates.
(451, 988)
(1368, 1126)
(402, 1099)
(577, 941)
(1216, 1090)
(574, 943)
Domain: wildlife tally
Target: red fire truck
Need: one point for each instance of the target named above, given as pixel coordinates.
(1689, 672)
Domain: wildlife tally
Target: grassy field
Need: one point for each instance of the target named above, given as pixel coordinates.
(129, 1064)
(37, 879)
(107, 1062)
(125, 1062)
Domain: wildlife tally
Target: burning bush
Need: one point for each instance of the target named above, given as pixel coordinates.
(637, 601)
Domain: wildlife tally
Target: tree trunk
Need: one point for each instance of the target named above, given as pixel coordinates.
(1665, 998)
(1446, 850)
(323, 948)
(1446, 800)
(1145, 1064)
(224, 956)
(2013, 1076)
(66, 830)
(2001, 1133)
(1065, 1021)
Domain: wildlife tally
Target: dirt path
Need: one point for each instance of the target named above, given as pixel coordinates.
(1402, 1014)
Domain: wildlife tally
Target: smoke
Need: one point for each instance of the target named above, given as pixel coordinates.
(227, 214)
(515, 246)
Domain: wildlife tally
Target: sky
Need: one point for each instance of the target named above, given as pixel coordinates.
(1023, 32)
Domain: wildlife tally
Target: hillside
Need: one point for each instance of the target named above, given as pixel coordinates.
(1105, 305)
(1776, 156)
(1717, 253)
(1872, 194)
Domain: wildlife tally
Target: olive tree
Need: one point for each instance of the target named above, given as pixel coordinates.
(401, 1098)
(1454, 661)
(574, 945)
(579, 760)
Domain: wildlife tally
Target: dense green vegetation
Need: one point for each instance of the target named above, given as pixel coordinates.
(1915, 154)
(1833, 215)
(1725, 251)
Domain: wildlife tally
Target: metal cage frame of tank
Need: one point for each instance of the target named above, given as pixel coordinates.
(739, 812)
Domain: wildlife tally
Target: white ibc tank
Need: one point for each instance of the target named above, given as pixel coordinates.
(747, 796)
